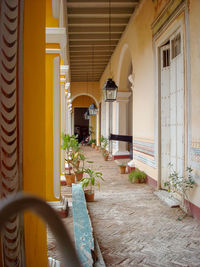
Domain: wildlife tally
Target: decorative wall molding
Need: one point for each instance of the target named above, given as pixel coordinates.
(53, 51)
(144, 151)
(64, 70)
(58, 36)
(173, 7)
(123, 96)
(11, 18)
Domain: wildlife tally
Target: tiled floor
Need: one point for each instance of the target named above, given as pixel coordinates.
(134, 228)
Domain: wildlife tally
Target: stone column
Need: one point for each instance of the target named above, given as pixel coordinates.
(121, 128)
(62, 100)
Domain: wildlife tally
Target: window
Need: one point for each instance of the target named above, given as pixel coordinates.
(166, 58)
(176, 45)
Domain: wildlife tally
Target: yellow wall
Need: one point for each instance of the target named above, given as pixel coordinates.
(91, 88)
(34, 127)
(50, 20)
(49, 127)
(93, 126)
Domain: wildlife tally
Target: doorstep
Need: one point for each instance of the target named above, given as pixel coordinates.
(167, 198)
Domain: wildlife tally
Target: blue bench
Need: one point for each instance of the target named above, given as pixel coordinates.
(83, 232)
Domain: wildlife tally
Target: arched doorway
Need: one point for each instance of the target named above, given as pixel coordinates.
(80, 125)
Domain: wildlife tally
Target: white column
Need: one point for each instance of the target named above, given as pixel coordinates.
(56, 127)
(121, 128)
(62, 121)
(97, 128)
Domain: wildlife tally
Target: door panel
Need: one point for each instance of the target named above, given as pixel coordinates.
(172, 108)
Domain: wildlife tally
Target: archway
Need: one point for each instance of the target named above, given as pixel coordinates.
(80, 125)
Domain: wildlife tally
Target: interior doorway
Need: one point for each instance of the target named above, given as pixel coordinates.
(172, 105)
(81, 125)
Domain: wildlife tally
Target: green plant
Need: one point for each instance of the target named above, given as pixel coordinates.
(137, 176)
(92, 179)
(122, 164)
(71, 146)
(76, 167)
(92, 141)
(105, 142)
(180, 183)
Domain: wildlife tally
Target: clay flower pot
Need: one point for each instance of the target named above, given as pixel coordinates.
(89, 195)
(70, 179)
(106, 157)
(79, 176)
(122, 169)
(93, 145)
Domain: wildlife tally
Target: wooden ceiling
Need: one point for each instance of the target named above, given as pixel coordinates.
(90, 47)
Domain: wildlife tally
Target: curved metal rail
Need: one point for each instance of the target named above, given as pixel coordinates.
(21, 202)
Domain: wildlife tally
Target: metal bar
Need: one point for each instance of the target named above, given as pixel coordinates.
(20, 202)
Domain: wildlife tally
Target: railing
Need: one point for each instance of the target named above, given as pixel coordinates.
(20, 202)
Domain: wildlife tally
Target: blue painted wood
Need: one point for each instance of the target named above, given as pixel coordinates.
(83, 235)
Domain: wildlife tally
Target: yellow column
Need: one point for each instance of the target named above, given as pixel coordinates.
(34, 127)
(93, 125)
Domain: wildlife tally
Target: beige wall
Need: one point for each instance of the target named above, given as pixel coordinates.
(195, 69)
(194, 21)
(136, 47)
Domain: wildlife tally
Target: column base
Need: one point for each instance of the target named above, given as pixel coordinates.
(121, 155)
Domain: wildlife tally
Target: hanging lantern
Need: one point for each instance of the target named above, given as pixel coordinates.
(87, 115)
(92, 110)
(110, 91)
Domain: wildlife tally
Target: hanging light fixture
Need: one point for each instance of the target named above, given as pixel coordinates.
(110, 88)
(87, 115)
(92, 110)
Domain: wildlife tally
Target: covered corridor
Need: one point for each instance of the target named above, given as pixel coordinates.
(123, 76)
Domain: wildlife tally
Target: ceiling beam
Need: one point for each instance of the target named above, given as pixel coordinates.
(97, 21)
(94, 29)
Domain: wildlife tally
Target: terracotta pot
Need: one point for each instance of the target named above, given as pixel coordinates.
(93, 145)
(89, 195)
(97, 147)
(106, 157)
(122, 169)
(79, 176)
(70, 179)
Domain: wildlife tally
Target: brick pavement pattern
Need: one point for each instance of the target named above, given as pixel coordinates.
(134, 228)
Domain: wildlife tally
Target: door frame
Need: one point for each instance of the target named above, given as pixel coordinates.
(183, 24)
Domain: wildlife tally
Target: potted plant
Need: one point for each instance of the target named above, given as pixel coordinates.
(93, 142)
(104, 144)
(122, 167)
(69, 144)
(106, 155)
(77, 170)
(137, 176)
(93, 178)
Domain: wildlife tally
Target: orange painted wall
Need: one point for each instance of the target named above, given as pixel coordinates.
(82, 101)
(34, 127)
